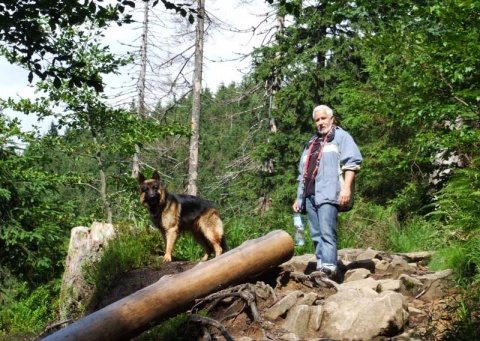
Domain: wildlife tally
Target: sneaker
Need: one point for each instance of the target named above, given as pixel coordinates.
(330, 274)
(325, 278)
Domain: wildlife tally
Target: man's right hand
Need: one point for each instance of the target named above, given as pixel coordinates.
(295, 206)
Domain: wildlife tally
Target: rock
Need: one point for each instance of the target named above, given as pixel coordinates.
(390, 284)
(356, 274)
(369, 303)
(315, 317)
(297, 320)
(367, 283)
(364, 308)
(349, 255)
(308, 299)
(416, 256)
(289, 337)
(301, 263)
(410, 285)
(368, 255)
(348, 315)
(399, 266)
(381, 265)
(282, 306)
(435, 284)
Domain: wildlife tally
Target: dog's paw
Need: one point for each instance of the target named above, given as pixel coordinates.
(167, 258)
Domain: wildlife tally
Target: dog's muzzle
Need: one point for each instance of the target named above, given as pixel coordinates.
(152, 198)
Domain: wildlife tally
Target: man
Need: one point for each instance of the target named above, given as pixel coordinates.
(327, 171)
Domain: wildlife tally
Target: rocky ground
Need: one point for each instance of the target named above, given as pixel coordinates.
(260, 309)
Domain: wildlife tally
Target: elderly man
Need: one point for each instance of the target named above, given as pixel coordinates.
(327, 171)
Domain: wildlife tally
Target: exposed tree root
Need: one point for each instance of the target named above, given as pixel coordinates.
(208, 322)
(247, 293)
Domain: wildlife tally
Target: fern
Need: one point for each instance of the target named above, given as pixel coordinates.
(458, 202)
(458, 208)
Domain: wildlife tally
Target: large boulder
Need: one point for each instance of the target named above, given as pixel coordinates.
(363, 314)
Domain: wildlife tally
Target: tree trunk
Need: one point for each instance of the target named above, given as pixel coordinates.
(103, 178)
(141, 87)
(196, 103)
(271, 89)
(171, 295)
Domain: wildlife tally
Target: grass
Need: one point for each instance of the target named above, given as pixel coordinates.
(414, 235)
(366, 225)
(463, 258)
(130, 249)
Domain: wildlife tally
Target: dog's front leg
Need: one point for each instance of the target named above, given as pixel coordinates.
(171, 236)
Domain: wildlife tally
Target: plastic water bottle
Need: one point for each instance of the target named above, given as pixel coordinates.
(299, 236)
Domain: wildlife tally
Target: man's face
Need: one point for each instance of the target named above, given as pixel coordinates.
(323, 122)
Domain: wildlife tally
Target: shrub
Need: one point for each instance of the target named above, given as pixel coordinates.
(29, 311)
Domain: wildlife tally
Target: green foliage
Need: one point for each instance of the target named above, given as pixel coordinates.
(457, 204)
(366, 225)
(462, 257)
(377, 227)
(457, 208)
(28, 311)
(34, 221)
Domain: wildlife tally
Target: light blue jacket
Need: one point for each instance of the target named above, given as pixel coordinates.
(339, 155)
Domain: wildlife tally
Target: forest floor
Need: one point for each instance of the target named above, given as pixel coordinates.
(427, 326)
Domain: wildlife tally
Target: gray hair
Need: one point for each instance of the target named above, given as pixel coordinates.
(322, 107)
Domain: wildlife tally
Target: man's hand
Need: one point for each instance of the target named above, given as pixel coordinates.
(344, 197)
(346, 192)
(295, 206)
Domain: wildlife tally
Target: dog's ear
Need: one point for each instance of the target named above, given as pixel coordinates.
(140, 179)
(156, 176)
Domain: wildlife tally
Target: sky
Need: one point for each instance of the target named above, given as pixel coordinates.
(221, 46)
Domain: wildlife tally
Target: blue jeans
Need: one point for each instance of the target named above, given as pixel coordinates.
(322, 221)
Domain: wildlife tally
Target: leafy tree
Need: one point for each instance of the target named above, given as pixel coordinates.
(418, 106)
(31, 34)
(33, 220)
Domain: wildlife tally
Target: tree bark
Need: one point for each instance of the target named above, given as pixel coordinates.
(173, 294)
(196, 102)
(141, 86)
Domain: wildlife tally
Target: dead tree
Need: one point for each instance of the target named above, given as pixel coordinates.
(196, 102)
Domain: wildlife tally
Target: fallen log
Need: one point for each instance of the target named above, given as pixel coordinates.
(173, 294)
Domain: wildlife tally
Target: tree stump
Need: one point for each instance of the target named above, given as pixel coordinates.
(85, 247)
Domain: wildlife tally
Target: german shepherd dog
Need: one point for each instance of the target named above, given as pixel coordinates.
(173, 214)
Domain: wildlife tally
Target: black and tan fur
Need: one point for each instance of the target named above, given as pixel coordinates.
(173, 214)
